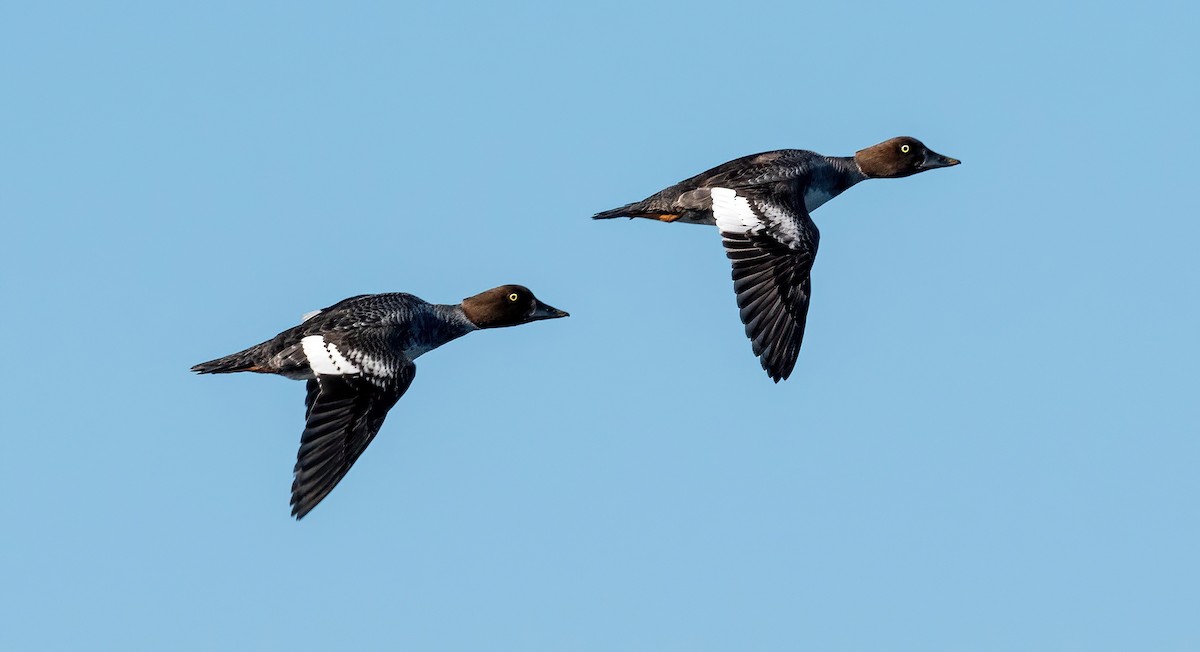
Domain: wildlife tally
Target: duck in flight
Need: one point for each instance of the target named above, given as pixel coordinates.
(761, 205)
(357, 356)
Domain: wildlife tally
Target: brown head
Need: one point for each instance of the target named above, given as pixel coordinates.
(507, 305)
(899, 157)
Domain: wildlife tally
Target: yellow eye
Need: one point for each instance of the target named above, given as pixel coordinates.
(513, 297)
(904, 148)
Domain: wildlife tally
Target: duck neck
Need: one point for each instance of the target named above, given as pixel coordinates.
(830, 180)
(444, 323)
(847, 170)
(454, 315)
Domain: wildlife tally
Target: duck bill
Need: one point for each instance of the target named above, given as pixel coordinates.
(934, 160)
(543, 311)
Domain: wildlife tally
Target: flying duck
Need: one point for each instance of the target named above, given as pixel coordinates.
(761, 205)
(357, 356)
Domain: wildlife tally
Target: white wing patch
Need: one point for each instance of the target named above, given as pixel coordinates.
(325, 359)
(732, 213)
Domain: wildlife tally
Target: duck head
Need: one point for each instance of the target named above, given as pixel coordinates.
(899, 157)
(507, 305)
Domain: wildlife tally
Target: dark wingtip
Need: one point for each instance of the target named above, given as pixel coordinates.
(302, 505)
(778, 368)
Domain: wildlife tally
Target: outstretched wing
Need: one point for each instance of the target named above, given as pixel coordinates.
(343, 414)
(772, 243)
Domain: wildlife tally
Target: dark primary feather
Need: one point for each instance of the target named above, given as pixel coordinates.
(343, 414)
(771, 275)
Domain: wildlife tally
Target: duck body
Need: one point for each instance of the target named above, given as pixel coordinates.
(761, 205)
(357, 357)
(806, 174)
(372, 335)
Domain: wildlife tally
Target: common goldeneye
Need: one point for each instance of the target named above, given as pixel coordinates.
(761, 205)
(357, 356)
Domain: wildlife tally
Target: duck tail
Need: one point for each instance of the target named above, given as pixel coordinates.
(628, 210)
(638, 209)
(248, 360)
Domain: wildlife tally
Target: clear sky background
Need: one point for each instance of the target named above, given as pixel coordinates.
(990, 442)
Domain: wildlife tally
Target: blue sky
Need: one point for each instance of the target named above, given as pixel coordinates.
(989, 443)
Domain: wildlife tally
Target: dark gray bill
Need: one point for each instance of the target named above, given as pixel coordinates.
(935, 160)
(543, 311)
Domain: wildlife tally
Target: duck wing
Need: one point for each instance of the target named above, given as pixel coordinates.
(343, 414)
(772, 243)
